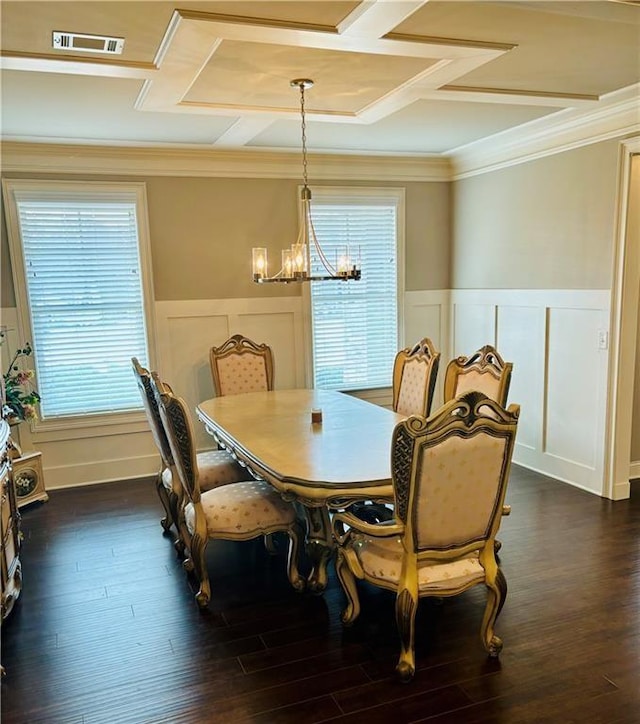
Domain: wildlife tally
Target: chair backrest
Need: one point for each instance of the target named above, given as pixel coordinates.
(484, 371)
(178, 427)
(414, 378)
(143, 378)
(240, 365)
(450, 474)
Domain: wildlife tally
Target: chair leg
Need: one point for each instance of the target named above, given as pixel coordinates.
(163, 494)
(496, 595)
(182, 544)
(348, 582)
(198, 549)
(269, 545)
(296, 542)
(406, 605)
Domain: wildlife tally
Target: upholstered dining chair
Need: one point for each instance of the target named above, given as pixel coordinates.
(484, 371)
(216, 467)
(237, 511)
(414, 378)
(450, 474)
(240, 365)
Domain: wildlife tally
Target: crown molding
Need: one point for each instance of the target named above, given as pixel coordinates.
(616, 115)
(23, 157)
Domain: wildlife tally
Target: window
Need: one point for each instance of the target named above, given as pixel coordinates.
(355, 327)
(80, 263)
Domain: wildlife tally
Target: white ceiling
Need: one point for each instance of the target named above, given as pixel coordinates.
(391, 76)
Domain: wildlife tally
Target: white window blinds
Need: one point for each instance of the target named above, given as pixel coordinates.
(355, 323)
(85, 293)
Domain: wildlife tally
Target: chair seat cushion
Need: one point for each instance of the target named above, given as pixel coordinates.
(381, 558)
(245, 509)
(218, 467)
(215, 468)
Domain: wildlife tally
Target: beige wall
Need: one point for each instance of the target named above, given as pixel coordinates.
(202, 231)
(545, 224)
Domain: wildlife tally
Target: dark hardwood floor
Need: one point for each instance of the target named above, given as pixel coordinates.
(107, 629)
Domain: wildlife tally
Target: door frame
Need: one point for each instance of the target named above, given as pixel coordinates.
(625, 296)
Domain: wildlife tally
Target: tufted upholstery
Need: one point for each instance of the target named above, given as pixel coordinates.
(242, 373)
(413, 388)
(450, 473)
(456, 489)
(248, 508)
(240, 365)
(215, 468)
(381, 558)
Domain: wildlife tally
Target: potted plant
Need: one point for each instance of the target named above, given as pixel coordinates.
(20, 396)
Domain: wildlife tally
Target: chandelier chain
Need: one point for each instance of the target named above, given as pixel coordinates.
(304, 136)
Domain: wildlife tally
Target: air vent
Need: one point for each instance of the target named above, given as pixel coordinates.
(87, 43)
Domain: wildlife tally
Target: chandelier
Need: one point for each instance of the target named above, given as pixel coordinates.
(296, 261)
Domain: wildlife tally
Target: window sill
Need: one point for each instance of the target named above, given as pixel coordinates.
(88, 426)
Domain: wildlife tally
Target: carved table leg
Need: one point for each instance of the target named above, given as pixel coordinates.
(320, 547)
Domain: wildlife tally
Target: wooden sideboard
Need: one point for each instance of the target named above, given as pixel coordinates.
(11, 572)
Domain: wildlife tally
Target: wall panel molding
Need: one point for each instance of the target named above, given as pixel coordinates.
(520, 322)
(187, 330)
(554, 339)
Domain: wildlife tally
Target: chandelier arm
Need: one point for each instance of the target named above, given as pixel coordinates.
(325, 262)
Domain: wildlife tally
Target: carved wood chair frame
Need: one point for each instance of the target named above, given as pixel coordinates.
(485, 361)
(240, 345)
(423, 353)
(470, 415)
(179, 430)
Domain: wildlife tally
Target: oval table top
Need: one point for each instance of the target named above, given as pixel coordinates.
(348, 453)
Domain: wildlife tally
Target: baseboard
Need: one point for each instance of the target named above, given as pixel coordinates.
(106, 471)
(634, 470)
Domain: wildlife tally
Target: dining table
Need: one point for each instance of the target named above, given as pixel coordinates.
(320, 448)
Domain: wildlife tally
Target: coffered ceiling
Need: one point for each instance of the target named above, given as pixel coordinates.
(390, 76)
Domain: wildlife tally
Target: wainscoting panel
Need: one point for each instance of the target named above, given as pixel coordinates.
(426, 314)
(188, 329)
(520, 340)
(571, 404)
(556, 340)
(553, 337)
(473, 326)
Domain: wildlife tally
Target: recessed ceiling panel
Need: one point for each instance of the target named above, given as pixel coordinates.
(257, 75)
(423, 127)
(557, 52)
(82, 108)
(27, 26)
